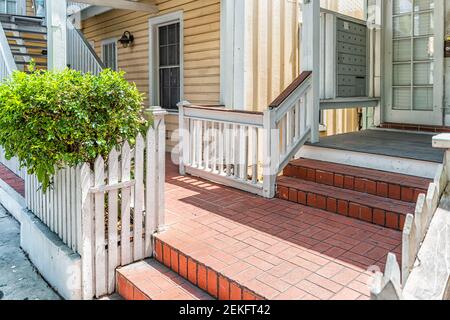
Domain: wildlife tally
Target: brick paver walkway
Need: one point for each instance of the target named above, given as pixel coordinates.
(12, 180)
(277, 249)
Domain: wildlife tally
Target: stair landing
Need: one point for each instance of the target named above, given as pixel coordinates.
(235, 245)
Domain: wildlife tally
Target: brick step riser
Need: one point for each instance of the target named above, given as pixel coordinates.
(205, 278)
(391, 220)
(127, 290)
(349, 182)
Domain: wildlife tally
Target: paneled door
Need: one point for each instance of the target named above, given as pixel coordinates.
(414, 67)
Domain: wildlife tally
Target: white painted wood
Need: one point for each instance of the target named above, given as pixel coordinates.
(126, 253)
(138, 198)
(412, 167)
(221, 137)
(56, 34)
(7, 64)
(101, 272)
(160, 187)
(73, 207)
(150, 189)
(207, 142)
(80, 55)
(183, 137)
(87, 223)
(254, 151)
(113, 254)
(78, 195)
(311, 60)
(153, 53)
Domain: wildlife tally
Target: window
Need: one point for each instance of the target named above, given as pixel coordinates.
(169, 65)
(8, 6)
(109, 54)
(413, 54)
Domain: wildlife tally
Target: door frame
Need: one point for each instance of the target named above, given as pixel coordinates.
(435, 117)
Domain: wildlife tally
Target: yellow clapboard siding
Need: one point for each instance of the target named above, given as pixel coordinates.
(201, 48)
(29, 8)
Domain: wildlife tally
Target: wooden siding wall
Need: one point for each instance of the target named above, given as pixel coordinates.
(201, 48)
(273, 56)
(29, 7)
(447, 60)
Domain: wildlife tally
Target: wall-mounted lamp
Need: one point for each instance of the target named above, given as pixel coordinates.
(127, 39)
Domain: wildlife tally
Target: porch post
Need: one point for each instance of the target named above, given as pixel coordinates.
(310, 61)
(56, 34)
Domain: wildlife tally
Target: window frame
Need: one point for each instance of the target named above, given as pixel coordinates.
(108, 42)
(154, 75)
(20, 7)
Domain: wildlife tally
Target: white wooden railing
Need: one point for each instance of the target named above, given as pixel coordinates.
(109, 214)
(80, 55)
(7, 67)
(391, 284)
(242, 149)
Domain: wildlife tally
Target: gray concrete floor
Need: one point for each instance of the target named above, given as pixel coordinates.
(19, 280)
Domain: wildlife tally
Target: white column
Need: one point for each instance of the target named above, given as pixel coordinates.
(310, 61)
(56, 34)
(234, 16)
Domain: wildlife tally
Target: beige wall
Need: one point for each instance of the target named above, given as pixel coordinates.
(201, 48)
(30, 10)
(272, 57)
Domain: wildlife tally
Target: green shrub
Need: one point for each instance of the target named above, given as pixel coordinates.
(53, 119)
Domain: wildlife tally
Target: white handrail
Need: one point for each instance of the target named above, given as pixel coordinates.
(80, 55)
(241, 149)
(7, 63)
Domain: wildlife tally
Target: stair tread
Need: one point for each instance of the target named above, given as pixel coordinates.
(377, 175)
(27, 39)
(157, 282)
(361, 198)
(29, 54)
(41, 32)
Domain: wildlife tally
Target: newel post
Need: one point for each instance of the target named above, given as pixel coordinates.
(310, 60)
(156, 170)
(184, 137)
(57, 34)
(270, 153)
(442, 141)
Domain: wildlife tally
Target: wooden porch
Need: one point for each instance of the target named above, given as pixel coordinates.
(391, 143)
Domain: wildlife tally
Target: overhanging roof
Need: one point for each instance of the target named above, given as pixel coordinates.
(124, 5)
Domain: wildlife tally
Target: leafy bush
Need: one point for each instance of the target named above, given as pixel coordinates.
(53, 119)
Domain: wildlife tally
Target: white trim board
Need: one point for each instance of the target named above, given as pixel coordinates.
(154, 23)
(410, 167)
(234, 15)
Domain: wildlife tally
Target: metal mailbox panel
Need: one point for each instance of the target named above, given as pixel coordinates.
(351, 53)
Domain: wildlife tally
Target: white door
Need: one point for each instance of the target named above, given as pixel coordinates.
(414, 61)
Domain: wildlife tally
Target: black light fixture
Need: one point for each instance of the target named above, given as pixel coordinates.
(127, 39)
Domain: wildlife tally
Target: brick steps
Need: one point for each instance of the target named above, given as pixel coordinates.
(373, 196)
(384, 184)
(150, 280)
(205, 277)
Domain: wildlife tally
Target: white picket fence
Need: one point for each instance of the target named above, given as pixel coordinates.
(390, 285)
(416, 226)
(12, 164)
(109, 214)
(246, 150)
